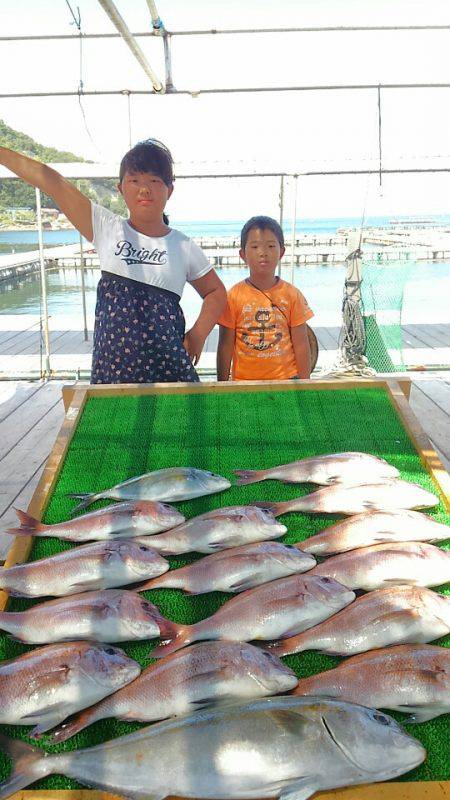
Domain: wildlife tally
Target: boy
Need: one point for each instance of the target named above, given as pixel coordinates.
(263, 329)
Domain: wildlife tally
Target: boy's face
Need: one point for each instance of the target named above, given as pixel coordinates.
(262, 251)
(145, 195)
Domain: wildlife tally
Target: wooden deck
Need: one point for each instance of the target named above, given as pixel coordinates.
(22, 348)
(31, 414)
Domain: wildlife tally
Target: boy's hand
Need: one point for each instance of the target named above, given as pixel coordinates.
(194, 343)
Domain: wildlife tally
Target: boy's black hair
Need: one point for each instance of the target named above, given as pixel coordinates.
(262, 224)
(149, 156)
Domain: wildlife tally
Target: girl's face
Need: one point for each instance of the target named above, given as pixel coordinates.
(145, 195)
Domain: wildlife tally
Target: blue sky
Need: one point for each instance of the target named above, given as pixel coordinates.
(293, 131)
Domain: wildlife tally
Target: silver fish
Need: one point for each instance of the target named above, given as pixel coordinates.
(46, 685)
(271, 611)
(386, 495)
(169, 485)
(328, 469)
(101, 565)
(375, 527)
(412, 563)
(287, 747)
(219, 529)
(398, 615)
(413, 678)
(187, 680)
(120, 520)
(235, 570)
(111, 615)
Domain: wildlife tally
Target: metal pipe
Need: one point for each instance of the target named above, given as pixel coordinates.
(156, 20)
(294, 220)
(234, 90)
(217, 32)
(43, 282)
(281, 207)
(83, 289)
(128, 37)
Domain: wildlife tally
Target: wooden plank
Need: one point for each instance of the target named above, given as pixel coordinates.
(432, 332)
(22, 392)
(27, 456)
(422, 443)
(9, 518)
(33, 348)
(435, 420)
(421, 333)
(409, 339)
(438, 391)
(22, 421)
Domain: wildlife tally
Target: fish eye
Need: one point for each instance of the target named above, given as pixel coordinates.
(381, 718)
(144, 548)
(326, 580)
(110, 651)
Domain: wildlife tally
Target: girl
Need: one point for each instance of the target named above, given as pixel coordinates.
(139, 333)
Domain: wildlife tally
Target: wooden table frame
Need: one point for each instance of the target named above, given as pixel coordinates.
(75, 398)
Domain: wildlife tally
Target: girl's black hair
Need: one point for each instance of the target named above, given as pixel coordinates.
(262, 224)
(149, 156)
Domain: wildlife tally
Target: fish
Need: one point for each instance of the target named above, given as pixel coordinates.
(120, 520)
(412, 563)
(325, 470)
(396, 615)
(102, 565)
(219, 529)
(386, 495)
(375, 527)
(110, 615)
(272, 611)
(287, 747)
(235, 570)
(46, 685)
(187, 680)
(414, 679)
(168, 485)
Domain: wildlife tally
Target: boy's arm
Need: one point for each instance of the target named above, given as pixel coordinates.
(302, 352)
(211, 288)
(225, 352)
(75, 205)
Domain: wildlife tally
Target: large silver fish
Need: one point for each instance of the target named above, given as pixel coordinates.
(187, 680)
(120, 520)
(413, 678)
(398, 615)
(169, 485)
(101, 565)
(111, 615)
(46, 685)
(335, 468)
(271, 611)
(386, 495)
(235, 570)
(375, 527)
(413, 563)
(287, 747)
(219, 529)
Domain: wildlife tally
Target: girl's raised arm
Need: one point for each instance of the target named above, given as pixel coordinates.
(75, 205)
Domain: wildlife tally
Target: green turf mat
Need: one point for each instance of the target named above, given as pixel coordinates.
(120, 437)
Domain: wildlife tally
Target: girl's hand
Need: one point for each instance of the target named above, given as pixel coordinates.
(194, 343)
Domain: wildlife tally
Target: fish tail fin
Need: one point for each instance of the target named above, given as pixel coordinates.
(180, 636)
(86, 500)
(276, 508)
(29, 526)
(245, 476)
(28, 765)
(155, 583)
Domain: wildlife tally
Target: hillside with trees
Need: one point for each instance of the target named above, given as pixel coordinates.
(17, 194)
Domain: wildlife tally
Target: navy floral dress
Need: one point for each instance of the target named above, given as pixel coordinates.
(138, 334)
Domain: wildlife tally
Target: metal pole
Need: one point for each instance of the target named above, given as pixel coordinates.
(293, 228)
(83, 289)
(43, 283)
(281, 207)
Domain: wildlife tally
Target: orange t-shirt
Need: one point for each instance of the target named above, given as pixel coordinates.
(263, 347)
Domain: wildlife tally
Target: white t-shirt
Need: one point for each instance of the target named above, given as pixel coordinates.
(164, 261)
